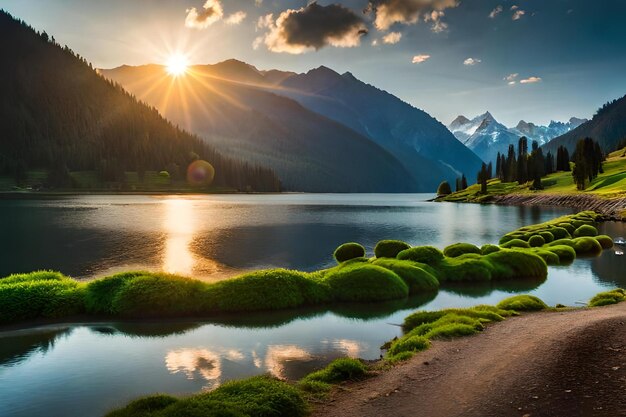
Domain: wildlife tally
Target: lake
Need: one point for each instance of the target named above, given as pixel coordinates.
(88, 368)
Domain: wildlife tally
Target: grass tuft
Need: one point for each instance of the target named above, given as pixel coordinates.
(609, 297)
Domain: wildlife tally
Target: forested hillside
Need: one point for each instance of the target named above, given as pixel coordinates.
(608, 128)
(57, 114)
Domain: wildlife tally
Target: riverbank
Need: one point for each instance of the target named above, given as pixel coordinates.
(606, 194)
(548, 363)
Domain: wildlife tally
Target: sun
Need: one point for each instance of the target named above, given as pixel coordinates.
(177, 65)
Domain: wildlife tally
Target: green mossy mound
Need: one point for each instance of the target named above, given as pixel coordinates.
(587, 246)
(515, 243)
(408, 344)
(390, 248)
(510, 264)
(549, 257)
(605, 241)
(536, 241)
(428, 255)
(364, 282)
(487, 249)
(522, 303)
(343, 369)
(416, 278)
(465, 269)
(349, 251)
(547, 236)
(566, 254)
(586, 230)
(459, 249)
(559, 233)
(568, 227)
(48, 295)
(609, 297)
(256, 396)
(267, 290)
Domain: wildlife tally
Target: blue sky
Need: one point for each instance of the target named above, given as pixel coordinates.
(570, 53)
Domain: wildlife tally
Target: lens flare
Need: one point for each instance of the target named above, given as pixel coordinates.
(177, 65)
(200, 173)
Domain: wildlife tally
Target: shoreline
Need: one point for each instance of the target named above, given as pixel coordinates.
(564, 362)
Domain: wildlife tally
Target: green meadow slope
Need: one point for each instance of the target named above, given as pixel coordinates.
(610, 185)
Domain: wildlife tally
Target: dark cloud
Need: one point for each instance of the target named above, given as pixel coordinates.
(311, 28)
(388, 12)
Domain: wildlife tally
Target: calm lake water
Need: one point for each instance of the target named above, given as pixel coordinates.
(87, 369)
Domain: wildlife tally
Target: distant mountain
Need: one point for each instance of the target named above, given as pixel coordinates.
(58, 115)
(230, 106)
(423, 145)
(486, 136)
(608, 127)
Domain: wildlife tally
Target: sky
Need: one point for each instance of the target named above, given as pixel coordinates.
(537, 60)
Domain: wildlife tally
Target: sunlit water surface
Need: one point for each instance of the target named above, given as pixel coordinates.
(87, 369)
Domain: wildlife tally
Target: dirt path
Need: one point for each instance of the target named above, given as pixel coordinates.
(545, 364)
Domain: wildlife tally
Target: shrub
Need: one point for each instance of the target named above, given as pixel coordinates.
(587, 246)
(408, 344)
(100, 293)
(559, 233)
(40, 299)
(586, 230)
(428, 255)
(515, 243)
(608, 297)
(487, 249)
(536, 241)
(522, 303)
(349, 251)
(459, 249)
(547, 236)
(444, 189)
(365, 282)
(414, 277)
(390, 248)
(158, 295)
(566, 254)
(605, 241)
(343, 369)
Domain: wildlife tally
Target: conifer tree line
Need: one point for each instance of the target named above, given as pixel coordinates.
(524, 167)
(59, 115)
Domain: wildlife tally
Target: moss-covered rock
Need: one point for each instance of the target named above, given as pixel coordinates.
(349, 251)
(459, 249)
(509, 264)
(487, 249)
(416, 278)
(588, 246)
(428, 255)
(365, 282)
(586, 230)
(605, 241)
(390, 248)
(536, 241)
(566, 254)
(547, 236)
(559, 233)
(522, 303)
(515, 243)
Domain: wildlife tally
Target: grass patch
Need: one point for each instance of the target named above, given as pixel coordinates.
(522, 303)
(261, 396)
(343, 369)
(609, 297)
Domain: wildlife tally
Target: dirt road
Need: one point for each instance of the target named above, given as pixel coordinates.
(544, 364)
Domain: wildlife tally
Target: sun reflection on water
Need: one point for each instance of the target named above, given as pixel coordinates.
(179, 226)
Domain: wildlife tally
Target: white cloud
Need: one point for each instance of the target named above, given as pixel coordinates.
(530, 80)
(496, 12)
(511, 77)
(518, 14)
(210, 13)
(392, 38)
(472, 61)
(512, 82)
(418, 59)
(236, 18)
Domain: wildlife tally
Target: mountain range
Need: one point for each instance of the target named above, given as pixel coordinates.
(486, 136)
(320, 131)
(58, 115)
